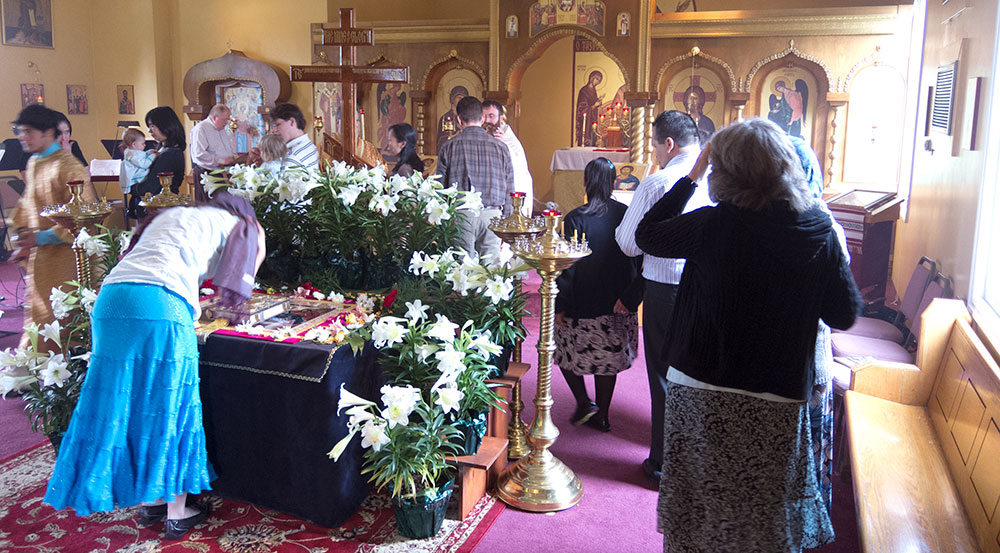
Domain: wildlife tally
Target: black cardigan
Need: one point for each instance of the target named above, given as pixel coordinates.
(753, 290)
(590, 287)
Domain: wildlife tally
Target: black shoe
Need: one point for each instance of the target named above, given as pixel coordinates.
(599, 423)
(151, 514)
(583, 413)
(652, 470)
(176, 529)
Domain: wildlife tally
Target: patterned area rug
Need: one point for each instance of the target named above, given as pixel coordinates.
(26, 524)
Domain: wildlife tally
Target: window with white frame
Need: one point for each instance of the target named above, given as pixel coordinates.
(984, 297)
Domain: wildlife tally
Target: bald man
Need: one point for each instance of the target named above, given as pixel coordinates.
(211, 147)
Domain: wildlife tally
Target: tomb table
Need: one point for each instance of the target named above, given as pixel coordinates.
(270, 415)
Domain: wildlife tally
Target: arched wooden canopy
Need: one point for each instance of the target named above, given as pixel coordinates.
(201, 79)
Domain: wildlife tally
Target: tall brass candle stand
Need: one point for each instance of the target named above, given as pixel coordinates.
(77, 215)
(509, 229)
(539, 481)
(166, 198)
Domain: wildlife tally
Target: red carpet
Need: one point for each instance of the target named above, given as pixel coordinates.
(233, 527)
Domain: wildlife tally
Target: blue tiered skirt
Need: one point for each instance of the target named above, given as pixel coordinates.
(136, 434)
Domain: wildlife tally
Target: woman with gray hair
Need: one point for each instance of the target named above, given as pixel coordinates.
(763, 267)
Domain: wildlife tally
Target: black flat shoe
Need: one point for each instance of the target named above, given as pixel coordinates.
(583, 413)
(151, 514)
(599, 423)
(176, 529)
(652, 470)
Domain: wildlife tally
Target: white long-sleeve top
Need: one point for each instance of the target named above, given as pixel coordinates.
(209, 145)
(659, 269)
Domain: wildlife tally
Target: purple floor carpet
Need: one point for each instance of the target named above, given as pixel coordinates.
(618, 509)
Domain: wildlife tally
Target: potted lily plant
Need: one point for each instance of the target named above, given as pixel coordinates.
(408, 440)
(50, 370)
(437, 357)
(486, 291)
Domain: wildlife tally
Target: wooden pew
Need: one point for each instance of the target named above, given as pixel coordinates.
(925, 443)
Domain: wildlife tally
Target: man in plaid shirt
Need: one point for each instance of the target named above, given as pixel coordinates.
(474, 160)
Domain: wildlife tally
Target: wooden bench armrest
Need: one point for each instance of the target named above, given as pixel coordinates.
(489, 451)
(898, 382)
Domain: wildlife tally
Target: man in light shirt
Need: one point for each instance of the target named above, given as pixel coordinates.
(288, 122)
(675, 143)
(211, 147)
(493, 118)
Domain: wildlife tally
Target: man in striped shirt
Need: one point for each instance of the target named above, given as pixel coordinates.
(475, 160)
(287, 121)
(675, 143)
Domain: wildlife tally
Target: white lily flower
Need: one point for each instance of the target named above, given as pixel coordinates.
(387, 331)
(449, 398)
(336, 298)
(366, 303)
(8, 359)
(437, 211)
(339, 447)
(294, 188)
(471, 201)
(383, 203)
(87, 299)
(349, 194)
(10, 382)
(486, 346)
(442, 329)
(416, 311)
(51, 331)
(450, 360)
(373, 435)
(426, 350)
(55, 371)
(499, 289)
(348, 400)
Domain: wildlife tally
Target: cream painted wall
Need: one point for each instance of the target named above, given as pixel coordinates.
(546, 101)
(70, 62)
(945, 190)
(272, 31)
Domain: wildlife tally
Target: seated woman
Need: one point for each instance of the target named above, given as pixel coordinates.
(136, 435)
(64, 138)
(763, 267)
(597, 330)
(403, 144)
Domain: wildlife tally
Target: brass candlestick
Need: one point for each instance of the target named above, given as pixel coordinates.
(539, 481)
(509, 230)
(318, 129)
(77, 215)
(166, 198)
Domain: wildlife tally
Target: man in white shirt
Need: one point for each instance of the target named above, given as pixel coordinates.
(675, 143)
(288, 122)
(493, 116)
(211, 146)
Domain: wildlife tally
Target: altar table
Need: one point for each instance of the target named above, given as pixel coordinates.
(567, 172)
(270, 415)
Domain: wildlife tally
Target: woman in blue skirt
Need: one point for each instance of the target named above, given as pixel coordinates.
(136, 435)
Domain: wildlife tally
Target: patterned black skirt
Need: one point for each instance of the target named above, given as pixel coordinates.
(606, 345)
(738, 475)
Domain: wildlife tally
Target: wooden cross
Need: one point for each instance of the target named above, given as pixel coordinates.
(348, 38)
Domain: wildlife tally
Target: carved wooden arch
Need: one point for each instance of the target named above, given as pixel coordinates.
(711, 60)
(201, 79)
(432, 78)
(816, 66)
(823, 82)
(542, 43)
(672, 67)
